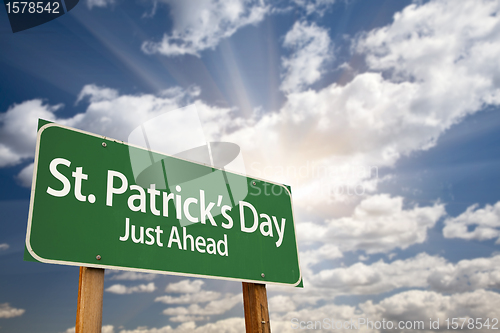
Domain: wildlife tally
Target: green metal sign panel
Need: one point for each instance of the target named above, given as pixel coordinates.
(98, 202)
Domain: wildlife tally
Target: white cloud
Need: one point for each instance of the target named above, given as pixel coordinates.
(427, 70)
(281, 303)
(99, 3)
(466, 275)
(311, 47)
(201, 296)
(4, 246)
(486, 223)
(26, 175)
(122, 290)
(216, 303)
(283, 322)
(315, 6)
(6, 311)
(314, 256)
(379, 224)
(185, 286)
(108, 113)
(18, 130)
(439, 42)
(187, 318)
(131, 276)
(413, 305)
(378, 277)
(371, 121)
(200, 25)
(117, 115)
(97, 94)
(417, 305)
(230, 325)
(104, 329)
(215, 307)
(422, 271)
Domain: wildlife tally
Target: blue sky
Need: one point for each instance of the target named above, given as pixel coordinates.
(407, 90)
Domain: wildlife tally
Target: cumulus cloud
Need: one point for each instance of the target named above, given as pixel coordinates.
(131, 276)
(400, 105)
(99, 3)
(4, 246)
(104, 329)
(194, 311)
(422, 271)
(185, 286)
(18, 130)
(315, 6)
(107, 329)
(485, 222)
(281, 303)
(216, 303)
(187, 318)
(230, 325)
(201, 25)
(457, 40)
(311, 49)
(201, 296)
(378, 277)
(115, 115)
(283, 322)
(417, 305)
(108, 113)
(466, 275)
(426, 71)
(97, 94)
(414, 306)
(6, 311)
(26, 175)
(314, 256)
(379, 224)
(122, 290)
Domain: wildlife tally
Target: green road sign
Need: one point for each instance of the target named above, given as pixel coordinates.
(98, 202)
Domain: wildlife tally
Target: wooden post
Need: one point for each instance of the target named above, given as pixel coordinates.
(256, 311)
(89, 309)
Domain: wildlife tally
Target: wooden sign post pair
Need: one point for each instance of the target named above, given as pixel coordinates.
(90, 295)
